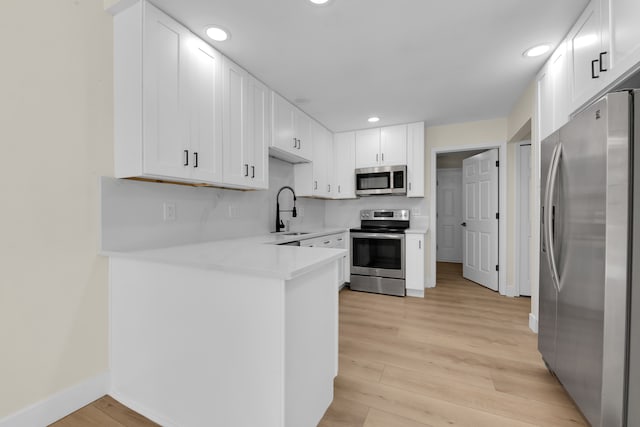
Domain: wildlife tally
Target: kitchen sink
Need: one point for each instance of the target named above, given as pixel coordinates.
(295, 233)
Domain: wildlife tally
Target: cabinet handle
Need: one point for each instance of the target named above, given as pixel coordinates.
(601, 61)
(295, 143)
(315, 185)
(338, 188)
(327, 242)
(299, 145)
(186, 157)
(593, 69)
(409, 186)
(328, 188)
(246, 169)
(419, 244)
(340, 239)
(253, 171)
(376, 158)
(195, 159)
(383, 157)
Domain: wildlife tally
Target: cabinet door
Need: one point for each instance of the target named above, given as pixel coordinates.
(165, 145)
(204, 103)
(367, 148)
(319, 160)
(558, 67)
(237, 164)
(393, 145)
(415, 159)
(585, 46)
(344, 163)
(303, 133)
(259, 133)
(284, 117)
(544, 89)
(624, 35)
(415, 264)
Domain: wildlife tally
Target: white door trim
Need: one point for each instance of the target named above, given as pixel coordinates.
(517, 223)
(502, 221)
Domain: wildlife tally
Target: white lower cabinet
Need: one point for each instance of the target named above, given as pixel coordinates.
(415, 264)
(338, 241)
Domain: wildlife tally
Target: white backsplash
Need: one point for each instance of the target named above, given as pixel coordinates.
(346, 213)
(132, 211)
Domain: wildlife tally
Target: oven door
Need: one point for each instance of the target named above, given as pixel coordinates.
(378, 254)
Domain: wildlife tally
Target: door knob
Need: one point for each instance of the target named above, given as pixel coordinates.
(464, 224)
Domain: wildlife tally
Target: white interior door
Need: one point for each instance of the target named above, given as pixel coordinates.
(449, 215)
(480, 222)
(524, 233)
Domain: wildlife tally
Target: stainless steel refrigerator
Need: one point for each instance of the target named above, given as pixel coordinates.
(589, 266)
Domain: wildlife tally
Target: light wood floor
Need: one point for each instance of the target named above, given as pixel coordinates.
(461, 356)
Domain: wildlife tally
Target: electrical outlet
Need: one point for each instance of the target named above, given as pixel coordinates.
(169, 211)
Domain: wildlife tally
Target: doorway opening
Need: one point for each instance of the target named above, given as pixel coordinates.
(468, 213)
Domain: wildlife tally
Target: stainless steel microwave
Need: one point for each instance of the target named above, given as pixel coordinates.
(381, 180)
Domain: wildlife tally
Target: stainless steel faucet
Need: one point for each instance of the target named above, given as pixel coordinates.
(294, 213)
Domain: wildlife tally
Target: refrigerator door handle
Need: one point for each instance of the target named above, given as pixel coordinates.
(551, 189)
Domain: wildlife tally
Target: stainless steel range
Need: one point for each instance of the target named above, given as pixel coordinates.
(378, 251)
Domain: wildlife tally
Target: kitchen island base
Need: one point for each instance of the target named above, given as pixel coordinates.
(198, 347)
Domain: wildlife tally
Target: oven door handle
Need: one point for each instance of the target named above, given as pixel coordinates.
(377, 236)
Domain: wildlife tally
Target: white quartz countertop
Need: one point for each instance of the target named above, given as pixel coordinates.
(256, 256)
(416, 230)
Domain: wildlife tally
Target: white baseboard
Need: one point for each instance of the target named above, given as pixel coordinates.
(143, 410)
(60, 404)
(533, 323)
(415, 293)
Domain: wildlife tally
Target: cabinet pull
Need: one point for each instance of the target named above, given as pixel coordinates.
(340, 239)
(327, 242)
(419, 244)
(299, 144)
(195, 159)
(338, 188)
(246, 169)
(186, 157)
(253, 171)
(295, 143)
(593, 69)
(409, 186)
(601, 61)
(376, 158)
(383, 157)
(315, 185)
(328, 188)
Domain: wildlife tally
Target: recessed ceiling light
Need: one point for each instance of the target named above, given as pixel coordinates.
(217, 34)
(538, 50)
(373, 119)
(319, 1)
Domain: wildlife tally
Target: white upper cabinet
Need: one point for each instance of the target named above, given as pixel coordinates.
(393, 145)
(586, 47)
(291, 132)
(381, 147)
(623, 35)
(314, 179)
(367, 148)
(246, 124)
(344, 163)
(415, 159)
(552, 85)
(167, 84)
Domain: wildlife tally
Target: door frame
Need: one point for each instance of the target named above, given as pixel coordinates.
(502, 208)
(518, 244)
(460, 172)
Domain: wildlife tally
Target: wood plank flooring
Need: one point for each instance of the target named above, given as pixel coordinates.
(462, 356)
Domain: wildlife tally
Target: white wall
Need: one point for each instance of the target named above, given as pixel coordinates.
(132, 211)
(56, 133)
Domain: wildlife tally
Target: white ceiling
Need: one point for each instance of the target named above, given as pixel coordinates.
(440, 61)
